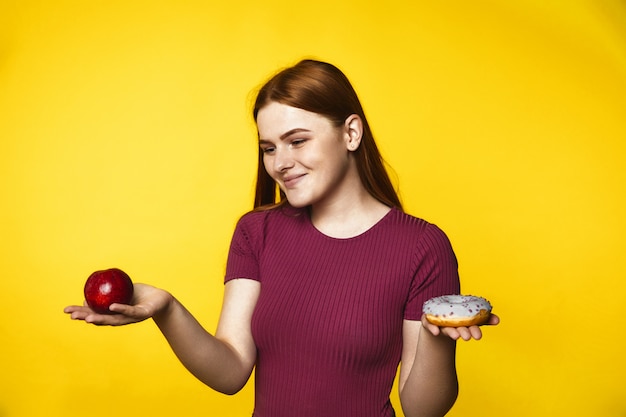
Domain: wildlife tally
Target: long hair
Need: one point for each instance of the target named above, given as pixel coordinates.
(322, 88)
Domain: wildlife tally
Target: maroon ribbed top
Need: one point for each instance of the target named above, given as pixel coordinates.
(328, 322)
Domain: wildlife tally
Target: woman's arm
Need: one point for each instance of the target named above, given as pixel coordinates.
(224, 361)
(428, 382)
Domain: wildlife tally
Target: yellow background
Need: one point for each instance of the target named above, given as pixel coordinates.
(126, 141)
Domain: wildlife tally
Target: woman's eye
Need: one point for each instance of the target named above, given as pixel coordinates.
(297, 142)
(267, 150)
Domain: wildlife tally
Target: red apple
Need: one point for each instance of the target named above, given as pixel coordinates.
(106, 287)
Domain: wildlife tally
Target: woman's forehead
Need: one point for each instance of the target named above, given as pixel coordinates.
(275, 120)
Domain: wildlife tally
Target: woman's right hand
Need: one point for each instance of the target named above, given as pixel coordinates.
(147, 302)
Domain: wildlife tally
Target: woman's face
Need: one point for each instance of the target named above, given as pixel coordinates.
(305, 154)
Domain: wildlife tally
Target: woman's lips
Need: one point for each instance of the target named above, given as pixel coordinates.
(292, 180)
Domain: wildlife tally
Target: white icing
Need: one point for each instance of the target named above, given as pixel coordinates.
(456, 306)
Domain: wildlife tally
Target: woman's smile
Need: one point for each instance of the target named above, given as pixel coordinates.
(305, 153)
(291, 181)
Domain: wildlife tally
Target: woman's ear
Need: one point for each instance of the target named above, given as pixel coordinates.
(354, 132)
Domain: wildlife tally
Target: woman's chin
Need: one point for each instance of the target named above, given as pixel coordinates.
(297, 203)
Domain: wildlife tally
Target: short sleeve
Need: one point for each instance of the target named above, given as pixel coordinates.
(243, 255)
(436, 271)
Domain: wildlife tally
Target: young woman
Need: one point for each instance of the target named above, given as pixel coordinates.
(325, 279)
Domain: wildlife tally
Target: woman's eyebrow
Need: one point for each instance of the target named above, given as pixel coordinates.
(293, 131)
(286, 134)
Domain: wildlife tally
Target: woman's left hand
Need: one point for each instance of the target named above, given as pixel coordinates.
(455, 333)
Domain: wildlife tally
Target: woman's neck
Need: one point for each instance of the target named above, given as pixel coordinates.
(350, 217)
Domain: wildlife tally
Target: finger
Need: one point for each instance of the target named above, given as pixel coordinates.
(138, 310)
(70, 309)
(464, 333)
(493, 320)
(77, 312)
(134, 313)
(434, 330)
(452, 332)
(475, 332)
(108, 319)
(79, 315)
(121, 308)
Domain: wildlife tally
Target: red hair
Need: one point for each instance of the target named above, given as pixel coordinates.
(322, 88)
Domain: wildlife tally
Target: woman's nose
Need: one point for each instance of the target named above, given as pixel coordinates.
(282, 160)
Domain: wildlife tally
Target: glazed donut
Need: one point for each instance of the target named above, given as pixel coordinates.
(457, 310)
